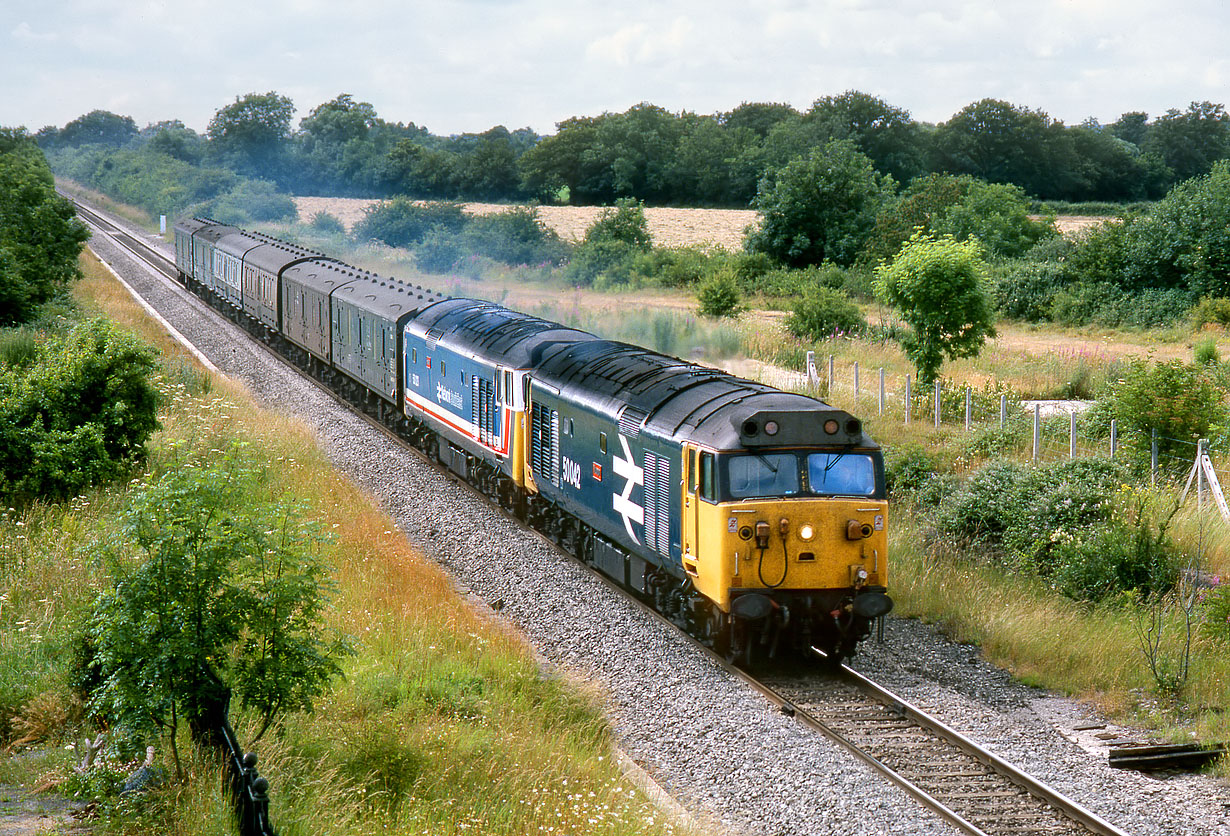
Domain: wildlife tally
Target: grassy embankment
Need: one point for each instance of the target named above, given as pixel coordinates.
(443, 723)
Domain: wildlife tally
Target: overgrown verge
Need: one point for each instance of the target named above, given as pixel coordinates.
(441, 722)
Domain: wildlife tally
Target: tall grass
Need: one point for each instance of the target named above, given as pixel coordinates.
(443, 722)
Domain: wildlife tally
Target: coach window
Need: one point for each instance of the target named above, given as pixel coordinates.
(602, 442)
(414, 356)
(708, 486)
(443, 373)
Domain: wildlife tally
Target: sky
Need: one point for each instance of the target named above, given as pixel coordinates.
(456, 66)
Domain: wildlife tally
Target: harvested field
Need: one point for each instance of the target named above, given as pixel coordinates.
(669, 227)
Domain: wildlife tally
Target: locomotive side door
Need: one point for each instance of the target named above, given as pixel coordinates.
(690, 545)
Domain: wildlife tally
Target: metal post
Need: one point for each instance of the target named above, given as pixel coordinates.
(937, 404)
(1037, 431)
(881, 390)
(830, 374)
(811, 371)
(907, 399)
(856, 382)
(1072, 435)
(967, 409)
(1153, 460)
(1114, 437)
(162, 224)
(1003, 411)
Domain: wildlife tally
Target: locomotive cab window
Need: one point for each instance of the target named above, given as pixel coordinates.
(841, 474)
(763, 474)
(693, 471)
(708, 478)
(602, 442)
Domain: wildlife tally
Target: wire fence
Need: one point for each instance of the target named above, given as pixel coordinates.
(1055, 429)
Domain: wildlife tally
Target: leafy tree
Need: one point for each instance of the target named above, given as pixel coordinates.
(78, 416)
(251, 132)
(40, 236)
(99, 127)
(886, 134)
(939, 285)
(563, 161)
(1132, 127)
(999, 142)
(821, 208)
(1184, 240)
(1191, 141)
(757, 117)
(225, 595)
(962, 206)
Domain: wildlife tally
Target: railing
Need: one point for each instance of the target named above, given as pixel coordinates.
(249, 791)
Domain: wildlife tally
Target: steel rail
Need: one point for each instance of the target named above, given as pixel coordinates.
(1069, 808)
(1044, 792)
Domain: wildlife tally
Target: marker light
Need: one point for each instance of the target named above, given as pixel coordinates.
(806, 532)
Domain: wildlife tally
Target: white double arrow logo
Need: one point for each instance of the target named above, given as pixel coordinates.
(633, 475)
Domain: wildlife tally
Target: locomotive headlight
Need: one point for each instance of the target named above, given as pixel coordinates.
(806, 531)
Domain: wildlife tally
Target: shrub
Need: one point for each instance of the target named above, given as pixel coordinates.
(1211, 311)
(78, 415)
(677, 266)
(1180, 400)
(608, 259)
(438, 251)
(907, 469)
(1027, 292)
(329, 224)
(515, 236)
(1215, 610)
(625, 222)
(1121, 556)
(401, 222)
(252, 201)
(825, 313)
(719, 295)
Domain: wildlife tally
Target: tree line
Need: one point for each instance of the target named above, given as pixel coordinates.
(343, 148)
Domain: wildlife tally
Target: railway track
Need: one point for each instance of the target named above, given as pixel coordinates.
(945, 772)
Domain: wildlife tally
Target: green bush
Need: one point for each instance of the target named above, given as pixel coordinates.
(438, 251)
(676, 266)
(907, 469)
(252, 201)
(401, 222)
(1183, 402)
(1121, 556)
(625, 222)
(606, 261)
(329, 224)
(824, 313)
(1211, 311)
(78, 415)
(515, 236)
(1027, 291)
(719, 295)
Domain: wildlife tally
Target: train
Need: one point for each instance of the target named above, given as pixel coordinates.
(752, 517)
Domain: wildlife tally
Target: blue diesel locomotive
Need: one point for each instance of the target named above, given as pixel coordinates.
(753, 517)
